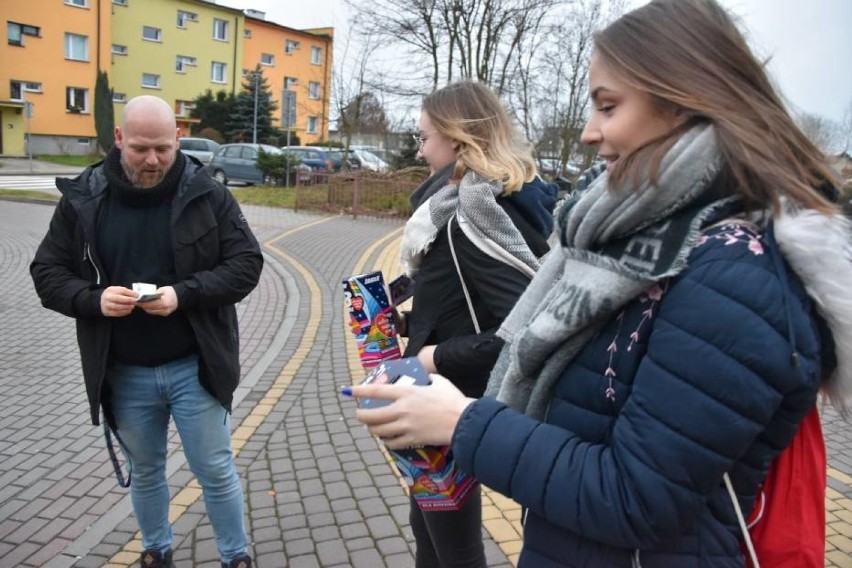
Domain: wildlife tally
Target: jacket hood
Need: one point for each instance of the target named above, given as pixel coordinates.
(819, 250)
(535, 201)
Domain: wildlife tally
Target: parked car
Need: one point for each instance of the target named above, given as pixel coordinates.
(367, 160)
(549, 168)
(238, 162)
(201, 148)
(382, 153)
(318, 158)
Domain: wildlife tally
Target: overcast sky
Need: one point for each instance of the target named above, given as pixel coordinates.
(809, 42)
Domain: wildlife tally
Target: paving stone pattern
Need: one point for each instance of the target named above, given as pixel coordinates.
(319, 491)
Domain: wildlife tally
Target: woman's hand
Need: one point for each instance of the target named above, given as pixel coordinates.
(418, 415)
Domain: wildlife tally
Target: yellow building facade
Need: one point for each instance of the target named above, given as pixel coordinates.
(49, 59)
(296, 61)
(174, 49)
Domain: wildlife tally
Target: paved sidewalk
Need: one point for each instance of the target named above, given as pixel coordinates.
(319, 489)
(24, 166)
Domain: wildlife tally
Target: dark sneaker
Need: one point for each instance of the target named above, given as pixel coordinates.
(243, 561)
(156, 559)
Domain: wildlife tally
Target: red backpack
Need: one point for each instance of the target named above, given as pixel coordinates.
(787, 525)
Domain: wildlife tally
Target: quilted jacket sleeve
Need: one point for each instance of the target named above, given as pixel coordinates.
(717, 371)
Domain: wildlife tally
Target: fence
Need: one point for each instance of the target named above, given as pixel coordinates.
(359, 193)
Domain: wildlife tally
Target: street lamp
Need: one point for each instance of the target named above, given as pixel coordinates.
(254, 125)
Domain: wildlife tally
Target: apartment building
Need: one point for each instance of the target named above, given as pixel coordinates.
(174, 49)
(297, 64)
(49, 63)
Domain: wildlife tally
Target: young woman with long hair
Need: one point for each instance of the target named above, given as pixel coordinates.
(674, 342)
(484, 200)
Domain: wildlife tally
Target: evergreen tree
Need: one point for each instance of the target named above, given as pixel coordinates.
(241, 122)
(408, 154)
(104, 112)
(213, 110)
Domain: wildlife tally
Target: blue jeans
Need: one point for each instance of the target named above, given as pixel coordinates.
(141, 399)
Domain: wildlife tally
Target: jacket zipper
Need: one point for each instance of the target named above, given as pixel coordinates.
(87, 255)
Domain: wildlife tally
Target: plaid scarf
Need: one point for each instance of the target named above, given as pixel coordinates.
(614, 244)
(474, 201)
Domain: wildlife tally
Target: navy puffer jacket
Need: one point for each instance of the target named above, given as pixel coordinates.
(704, 383)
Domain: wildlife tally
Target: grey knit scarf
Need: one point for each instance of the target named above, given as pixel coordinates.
(474, 201)
(614, 246)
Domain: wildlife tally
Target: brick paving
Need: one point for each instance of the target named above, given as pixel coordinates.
(319, 490)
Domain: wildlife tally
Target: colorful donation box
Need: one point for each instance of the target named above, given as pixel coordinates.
(371, 318)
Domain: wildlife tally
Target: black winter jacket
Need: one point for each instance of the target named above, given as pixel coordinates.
(217, 262)
(440, 315)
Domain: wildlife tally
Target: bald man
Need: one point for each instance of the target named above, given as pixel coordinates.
(149, 254)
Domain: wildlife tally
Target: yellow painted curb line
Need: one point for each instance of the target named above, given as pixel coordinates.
(192, 492)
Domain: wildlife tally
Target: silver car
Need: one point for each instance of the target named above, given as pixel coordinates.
(201, 148)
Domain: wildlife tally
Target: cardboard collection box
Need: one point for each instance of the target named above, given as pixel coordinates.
(371, 318)
(433, 478)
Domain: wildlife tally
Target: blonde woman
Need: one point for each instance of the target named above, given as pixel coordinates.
(499, 214)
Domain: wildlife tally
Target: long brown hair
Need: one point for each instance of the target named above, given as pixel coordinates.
(689, 56)
(489, 144)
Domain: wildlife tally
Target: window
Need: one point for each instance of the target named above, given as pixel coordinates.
(247, 34)
(290, 82)
(316, 56)
(78, 3)
(183, 109)
(119, 97)
(151, 33)
(220, 29)
(76, 47)
(183, 17)
(313, 90)
(312, 124)
(290, 46)
(76, 100)
(183, 61)
(16, 32)
(119, 49)
(120, 2)
(150, 81)
(267, 59)
(18, 88)
(218, 71)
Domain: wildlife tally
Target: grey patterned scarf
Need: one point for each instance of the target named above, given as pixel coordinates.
(614, 246)
(483, 221)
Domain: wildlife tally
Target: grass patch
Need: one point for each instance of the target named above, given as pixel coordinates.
(284, 197)
(81, 161)
(28, 194)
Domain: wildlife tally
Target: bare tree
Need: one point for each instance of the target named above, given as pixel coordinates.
(845, 131)
(563, 102)
(351, 86)
(822, 131)
(477, 39)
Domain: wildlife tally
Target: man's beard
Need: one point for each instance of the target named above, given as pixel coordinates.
(143, 179)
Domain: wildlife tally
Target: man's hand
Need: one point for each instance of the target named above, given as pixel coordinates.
(118, 301)
(162, 306)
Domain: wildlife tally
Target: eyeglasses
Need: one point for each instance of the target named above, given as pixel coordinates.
(420, 139)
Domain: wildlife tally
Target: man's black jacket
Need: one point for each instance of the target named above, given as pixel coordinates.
(217, 262)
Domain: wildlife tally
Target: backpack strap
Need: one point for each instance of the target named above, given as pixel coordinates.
(746, 536)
